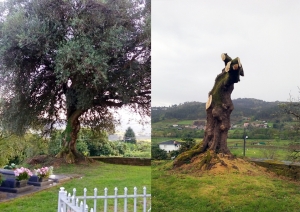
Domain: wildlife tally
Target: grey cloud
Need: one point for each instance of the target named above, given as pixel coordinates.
(188, 38)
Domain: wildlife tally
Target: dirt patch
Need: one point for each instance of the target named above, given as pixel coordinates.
(219, 164)
(47, 160)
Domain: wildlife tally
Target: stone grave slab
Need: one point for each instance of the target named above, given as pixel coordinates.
(34, 180)
(9, 182)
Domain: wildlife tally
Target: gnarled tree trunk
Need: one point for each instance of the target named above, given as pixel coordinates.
(69, 151)
(218, 109)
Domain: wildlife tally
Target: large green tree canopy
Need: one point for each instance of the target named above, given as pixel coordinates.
(72, 60)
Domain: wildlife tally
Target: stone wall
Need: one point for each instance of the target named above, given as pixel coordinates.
(124, 161)
(284, 168)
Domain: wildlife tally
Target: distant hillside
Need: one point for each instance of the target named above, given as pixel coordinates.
(246, 107)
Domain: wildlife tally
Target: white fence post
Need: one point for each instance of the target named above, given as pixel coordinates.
(61, 193)
(125, 199)
(74, 201)
(105, 200)
(77, 202)
(134, 203)
(95, 200)
(81, 206)
(84, 200)
(145, 200)
(116, 200)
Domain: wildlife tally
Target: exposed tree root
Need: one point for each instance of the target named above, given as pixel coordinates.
(187, 156)
(208, 161)
(71, 157)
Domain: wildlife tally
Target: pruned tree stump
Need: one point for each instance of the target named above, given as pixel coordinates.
(218, 109)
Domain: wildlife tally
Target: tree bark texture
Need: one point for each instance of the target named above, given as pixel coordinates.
(218, 109)
(69, 151)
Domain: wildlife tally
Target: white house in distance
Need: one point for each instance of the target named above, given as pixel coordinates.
(169, 146)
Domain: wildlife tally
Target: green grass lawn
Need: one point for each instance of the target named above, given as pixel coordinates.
(170, 122)
(185, 122)
(222, 192)
(277, 148)
(268, 142)
(96, 175)
(255, 152)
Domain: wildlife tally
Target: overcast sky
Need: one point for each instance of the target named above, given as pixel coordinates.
(189, 36)
(133, 120)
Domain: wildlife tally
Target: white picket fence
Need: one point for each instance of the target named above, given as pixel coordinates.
(70, 203)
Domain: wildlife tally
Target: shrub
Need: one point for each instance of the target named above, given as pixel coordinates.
(158, 154)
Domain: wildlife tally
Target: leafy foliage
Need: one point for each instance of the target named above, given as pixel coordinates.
(10, 167)
(55, 142)
(187, 144)
(141, 149)
(129, 136)
(157, 153)
(11, 147)
(92, 143)
(15, 149)
(63, 59)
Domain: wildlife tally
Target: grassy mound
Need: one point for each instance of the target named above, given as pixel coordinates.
(237, 186)
(212, 163)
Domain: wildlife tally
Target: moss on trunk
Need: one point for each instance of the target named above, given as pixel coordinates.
(218, 110)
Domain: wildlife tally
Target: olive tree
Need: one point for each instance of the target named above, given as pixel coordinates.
(70, 62)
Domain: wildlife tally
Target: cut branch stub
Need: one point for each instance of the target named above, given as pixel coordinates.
(208, 103)
(227, 67)
(225, 58)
